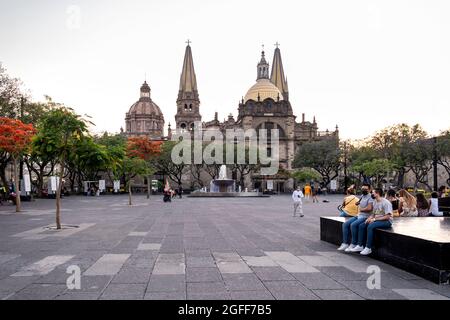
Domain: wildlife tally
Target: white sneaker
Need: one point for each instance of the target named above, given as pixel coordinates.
(343, 247)
(366, 251)
(357, 249)
(350, 248)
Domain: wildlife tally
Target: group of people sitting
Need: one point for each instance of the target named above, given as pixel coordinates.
(375, 210)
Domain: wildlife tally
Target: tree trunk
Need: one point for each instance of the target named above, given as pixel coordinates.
(148, 187)
(17, 184)
(129, 194)
(58, 197)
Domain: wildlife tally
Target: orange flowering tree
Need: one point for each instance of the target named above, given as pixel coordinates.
(143, 149)
(15, 139)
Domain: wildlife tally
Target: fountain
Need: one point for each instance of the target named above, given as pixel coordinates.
(223, 187)
(223, 184)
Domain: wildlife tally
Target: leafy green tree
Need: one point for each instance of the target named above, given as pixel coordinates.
(305, 175)
(323, 156)
(132, 167)
(163, 163)
(418, 158)
(59, 133)
(375, 170)
(443, 152)
(393, 143)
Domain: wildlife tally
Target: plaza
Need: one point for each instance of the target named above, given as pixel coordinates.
(191, 248)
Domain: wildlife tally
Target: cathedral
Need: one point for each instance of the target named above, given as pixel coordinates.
(266, 105)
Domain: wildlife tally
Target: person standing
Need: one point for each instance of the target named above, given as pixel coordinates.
(315, 191)
(307, 192)
(380, 219)
(365, 206)
(297, 196)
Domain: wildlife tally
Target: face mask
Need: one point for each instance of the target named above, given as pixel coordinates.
(365, 192)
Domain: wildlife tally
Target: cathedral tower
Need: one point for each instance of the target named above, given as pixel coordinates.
(188, 102)
(277, 76)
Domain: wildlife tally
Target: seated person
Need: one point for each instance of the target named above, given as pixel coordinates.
(423, 207)
(349, 207)
(408, 204)
(434, 206)
(365, 205)
(380, 219)
(391, 196)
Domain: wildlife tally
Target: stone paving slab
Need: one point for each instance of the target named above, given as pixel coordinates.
(168, 264)
(42, 267)
(108, 264)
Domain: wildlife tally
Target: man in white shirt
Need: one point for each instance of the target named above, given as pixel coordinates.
(297, 196)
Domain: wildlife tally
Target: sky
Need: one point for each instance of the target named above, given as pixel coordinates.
(359, 64)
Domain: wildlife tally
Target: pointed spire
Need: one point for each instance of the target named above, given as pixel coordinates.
(188, 79)
(277, 76)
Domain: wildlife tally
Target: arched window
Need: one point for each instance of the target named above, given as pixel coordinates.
(183, 126)
(192, 126)
(185, 106)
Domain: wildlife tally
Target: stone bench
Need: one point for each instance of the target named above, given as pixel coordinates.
(417, 245)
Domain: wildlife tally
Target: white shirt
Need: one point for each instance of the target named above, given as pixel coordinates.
(434, 209)
(297, 196)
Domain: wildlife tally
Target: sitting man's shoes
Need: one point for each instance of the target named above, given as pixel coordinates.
(366, 251)
(301, 216)
(357, 249)
(350, 248)
(343, 247)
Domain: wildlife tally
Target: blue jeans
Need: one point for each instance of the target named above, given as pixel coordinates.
(351, 225)
(386, 224)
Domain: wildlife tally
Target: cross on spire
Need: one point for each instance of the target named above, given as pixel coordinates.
(277, 44)
(262, 47)
(188, 42)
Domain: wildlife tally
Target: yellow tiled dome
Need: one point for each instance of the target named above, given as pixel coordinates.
(265, 89)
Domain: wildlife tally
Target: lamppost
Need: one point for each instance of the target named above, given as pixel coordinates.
(435, 161)
(345, 166)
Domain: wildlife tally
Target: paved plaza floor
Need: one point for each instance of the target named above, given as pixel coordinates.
(192, 248)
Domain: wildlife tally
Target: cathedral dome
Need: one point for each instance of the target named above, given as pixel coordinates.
(264, 89)
(145, 105)
(144, 116)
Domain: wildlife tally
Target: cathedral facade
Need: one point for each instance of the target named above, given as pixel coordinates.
(266, 105)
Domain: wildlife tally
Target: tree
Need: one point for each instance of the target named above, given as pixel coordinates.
(418, 158)
(10, 95)
(163, 163)
(305, 175)
(132, 167)
(443, 152)
(375, 170)
(59, 132)
(15, 139)
(145, 149)
(393, 143)
(323, 156)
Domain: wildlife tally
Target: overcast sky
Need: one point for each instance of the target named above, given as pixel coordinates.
(360, 64)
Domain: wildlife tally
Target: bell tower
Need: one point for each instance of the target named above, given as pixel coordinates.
(188, 102)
